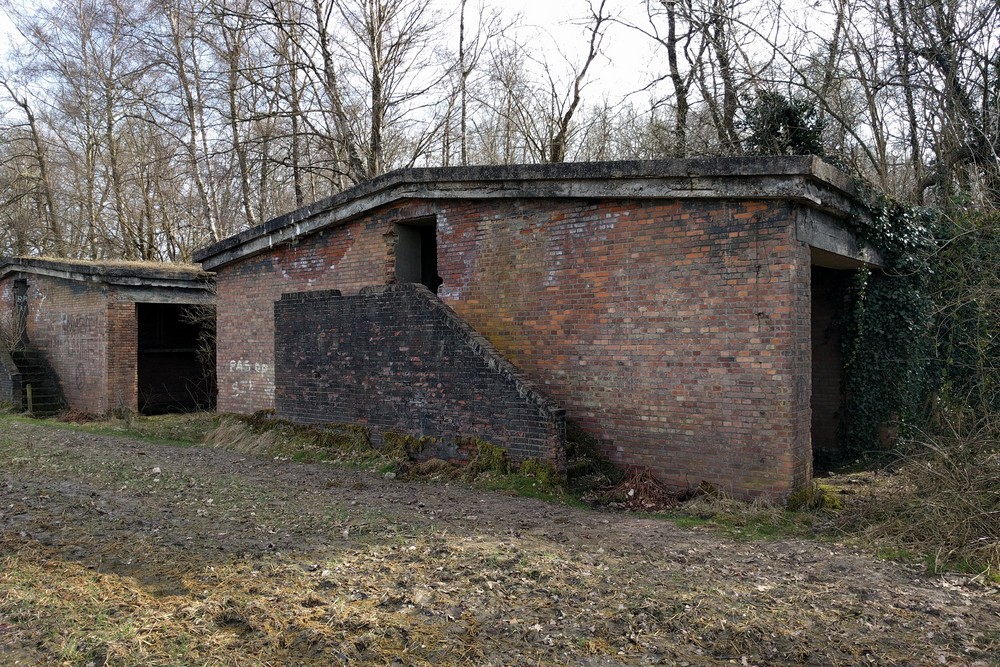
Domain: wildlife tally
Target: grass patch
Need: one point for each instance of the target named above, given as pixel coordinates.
(404, 446)
(682, 521)
(187, 429)
(184, 429)
(757, 520)
(486, 457)
(261, 434)
(814, 496)
(526, 486)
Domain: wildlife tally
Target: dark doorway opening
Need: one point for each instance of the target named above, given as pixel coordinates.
(416, 253)
(176, 357)
(829, 288)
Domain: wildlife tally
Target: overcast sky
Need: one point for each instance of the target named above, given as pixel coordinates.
(629, 59)
(625, 64)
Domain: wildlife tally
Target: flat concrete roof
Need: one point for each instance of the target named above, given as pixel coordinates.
(803, 179)
(111, 272)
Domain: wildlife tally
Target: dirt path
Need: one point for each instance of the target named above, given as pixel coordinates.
(202, 556)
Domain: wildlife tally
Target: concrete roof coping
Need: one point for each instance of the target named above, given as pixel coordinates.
(805, 179)
(118, 272)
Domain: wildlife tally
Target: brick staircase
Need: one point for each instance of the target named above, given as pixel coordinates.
(46, 397)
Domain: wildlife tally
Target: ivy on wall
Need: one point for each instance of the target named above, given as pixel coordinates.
(887, 328)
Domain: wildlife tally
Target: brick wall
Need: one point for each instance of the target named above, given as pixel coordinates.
(798, 342)
(122, 356)
(68, 322)
(676, 332)
(346, 258)
(10, 380)
(88, 337)
(397, 359)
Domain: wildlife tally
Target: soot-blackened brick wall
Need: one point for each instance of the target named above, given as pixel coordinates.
(399, 360)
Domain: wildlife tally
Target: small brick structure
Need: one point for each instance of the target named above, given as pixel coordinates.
(111, 332)
(666, 306)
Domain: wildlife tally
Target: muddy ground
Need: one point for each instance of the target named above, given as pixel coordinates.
(121, 552)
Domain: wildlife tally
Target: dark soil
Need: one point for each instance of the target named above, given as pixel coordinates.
(121, 552)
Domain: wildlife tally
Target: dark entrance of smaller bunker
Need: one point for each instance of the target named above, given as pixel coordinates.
(829, 288)
(176, 357)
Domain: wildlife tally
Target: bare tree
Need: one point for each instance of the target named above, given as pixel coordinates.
(472, 46)
(676, 39)
(386, 47)
(232, 20)
(183, 59)
(537, 116)
(704, 41)
(42, 188)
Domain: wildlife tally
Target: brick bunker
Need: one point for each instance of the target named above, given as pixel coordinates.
(107, 335)
(667, 307)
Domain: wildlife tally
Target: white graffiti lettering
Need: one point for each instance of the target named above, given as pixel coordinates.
(247, 366)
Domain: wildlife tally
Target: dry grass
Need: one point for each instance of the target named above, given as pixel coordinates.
(443, 599)
(941, 503)
(120, 263)
(234, 434)
(220, 560)
(263, 435)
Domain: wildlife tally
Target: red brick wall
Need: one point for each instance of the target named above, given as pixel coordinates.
(67, 321)
(347, 258)
(122, 356)
(675, 332)
(671, 331)
(88, 338)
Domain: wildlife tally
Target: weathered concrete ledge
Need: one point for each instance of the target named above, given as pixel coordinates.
(189, 279)
(831, 244)
(803, 179)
